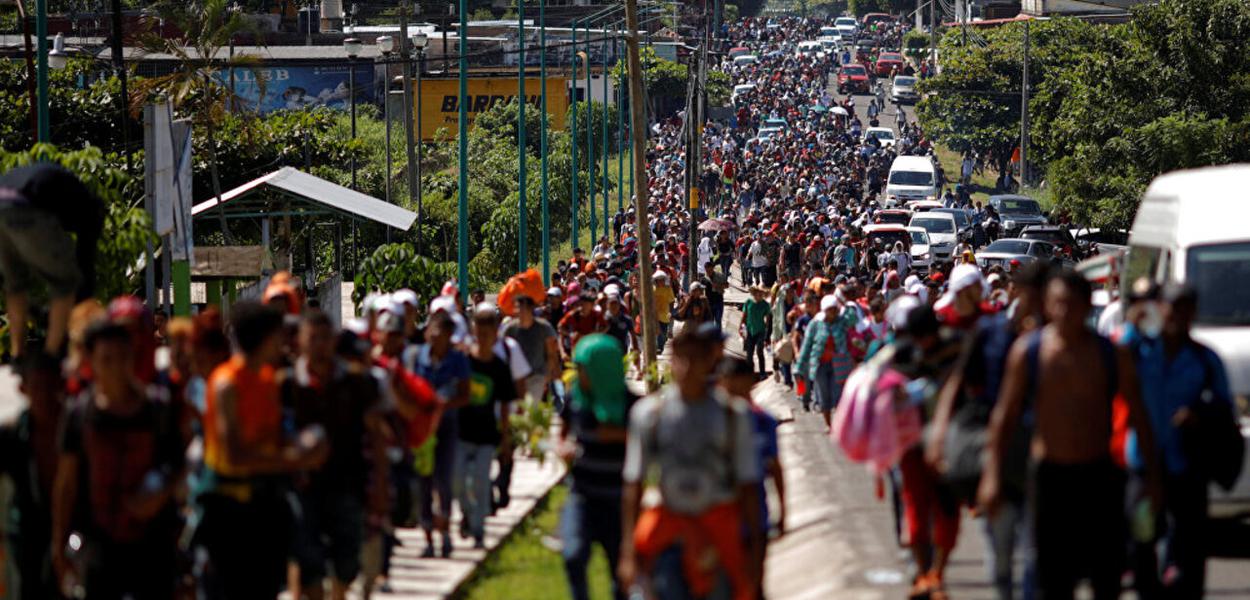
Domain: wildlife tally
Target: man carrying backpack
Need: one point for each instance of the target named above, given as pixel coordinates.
(1186, 394)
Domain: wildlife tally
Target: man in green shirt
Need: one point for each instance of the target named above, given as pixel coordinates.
(756, 314)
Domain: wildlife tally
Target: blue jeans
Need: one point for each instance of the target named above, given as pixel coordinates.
(661, 336)
(668, 579)
(473, 468)
(786, 372)
(1008, 536)
(584, 522)
(826, 390)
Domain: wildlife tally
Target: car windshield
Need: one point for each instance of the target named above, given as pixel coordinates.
(1048, 235)
(845, 21)
(1018, 206)
(1209, 270)
(905, 81)
(935, 225)
(1008, 247)
(891, 56)
(919, 237)
(882, 134)
(896, 218)
(961, 217)
(911, 178)
(853, 70)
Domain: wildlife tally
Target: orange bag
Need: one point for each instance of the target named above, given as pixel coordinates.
(529, 283)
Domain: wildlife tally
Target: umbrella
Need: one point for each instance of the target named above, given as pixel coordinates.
(717, 225)
(838, 110)
(818, 108)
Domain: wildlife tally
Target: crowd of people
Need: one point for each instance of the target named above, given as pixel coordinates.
(265, 449)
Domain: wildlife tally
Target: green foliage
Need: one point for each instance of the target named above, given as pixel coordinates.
(127, 227)
(719, 87)
(83, 107)
(665, 81)
(1169, 90)
(974, 103)
(397, 266)
(916, 44)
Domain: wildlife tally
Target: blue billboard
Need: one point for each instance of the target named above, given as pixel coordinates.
(298, 87)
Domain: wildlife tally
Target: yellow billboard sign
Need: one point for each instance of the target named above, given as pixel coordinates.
(438, 104)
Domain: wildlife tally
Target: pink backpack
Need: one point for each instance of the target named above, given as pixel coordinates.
(869, 425)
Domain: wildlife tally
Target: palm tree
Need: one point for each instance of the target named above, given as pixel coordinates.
(195, 88)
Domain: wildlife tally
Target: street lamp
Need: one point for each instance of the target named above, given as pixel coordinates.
(419, 41)
(58, 58)
(386, 44)
(353, 47)
(520, 138)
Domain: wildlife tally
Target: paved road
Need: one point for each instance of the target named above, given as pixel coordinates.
(841, 541)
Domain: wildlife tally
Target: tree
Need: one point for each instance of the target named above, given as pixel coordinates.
(664, 80)
(974, 103)
(1168, 90)
(195, 89)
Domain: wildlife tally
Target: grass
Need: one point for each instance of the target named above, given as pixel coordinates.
(983, 184)
(523, 568)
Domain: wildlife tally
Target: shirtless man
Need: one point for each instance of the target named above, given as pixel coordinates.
(1068, 375)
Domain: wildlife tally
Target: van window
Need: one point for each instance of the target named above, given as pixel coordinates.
(911, 178)
(1210, 269)
(1143, 261)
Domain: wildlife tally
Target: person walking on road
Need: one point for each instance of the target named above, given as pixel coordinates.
(592, 442)
(824, 359)
(756, 317)
(697, 441)
(1069, 375)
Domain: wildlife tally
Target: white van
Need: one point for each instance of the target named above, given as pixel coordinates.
(1192, 227)
(911, 178)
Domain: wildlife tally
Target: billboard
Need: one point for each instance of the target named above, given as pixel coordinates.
(438, 104)
(297, 87)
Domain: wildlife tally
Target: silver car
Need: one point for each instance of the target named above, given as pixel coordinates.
(903, 90)
(1004, 251)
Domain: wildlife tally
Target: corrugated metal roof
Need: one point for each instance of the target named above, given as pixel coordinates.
(319, 191)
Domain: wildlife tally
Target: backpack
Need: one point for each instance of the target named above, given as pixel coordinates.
(967, 433)
(1215, 444)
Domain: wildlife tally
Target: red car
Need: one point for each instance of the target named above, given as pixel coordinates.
(872, 18)
(892, 217)
(852, 78)
(887, 63)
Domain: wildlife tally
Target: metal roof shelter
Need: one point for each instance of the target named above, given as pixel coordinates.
(317, 196)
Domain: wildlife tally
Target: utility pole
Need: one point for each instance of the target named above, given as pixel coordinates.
(692, 193)
(638, 129)
(1024, 113)
(933, 37)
